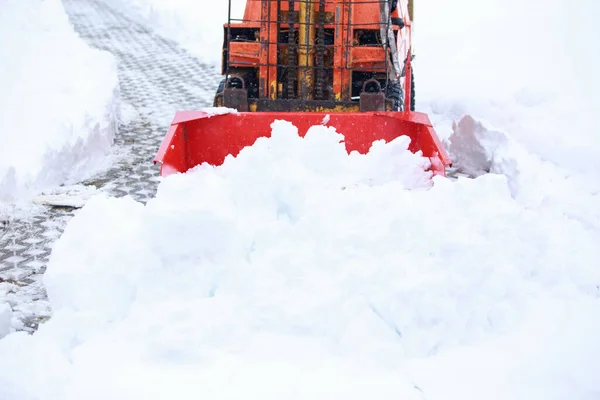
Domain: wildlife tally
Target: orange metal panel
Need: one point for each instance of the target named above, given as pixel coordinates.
(372, 58)
(268, 50)
(342, 54)
(367, 10)
(244, 54)
(361, 14)
(252, 11)
(243, 25)
(366, 14)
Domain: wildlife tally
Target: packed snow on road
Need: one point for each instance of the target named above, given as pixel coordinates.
(296, 270)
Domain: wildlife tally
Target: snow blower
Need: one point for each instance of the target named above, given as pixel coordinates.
(343, 63)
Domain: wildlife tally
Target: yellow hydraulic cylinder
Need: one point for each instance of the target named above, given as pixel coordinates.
(306, 46)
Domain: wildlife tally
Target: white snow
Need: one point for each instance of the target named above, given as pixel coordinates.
(295, 270)
(525, 67)
(5, 319)
(74, 196)
(212, 111)
(59, 101)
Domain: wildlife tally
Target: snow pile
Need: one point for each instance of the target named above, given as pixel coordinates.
(525, 67)
(59, 100)
(521, 102)
(479, 148)
(5, 319)
(298, 270)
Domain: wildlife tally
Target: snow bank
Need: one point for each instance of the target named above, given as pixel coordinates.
(478, 148)
(525, 67)
(297, 270)
(515, 93)
(5, 319)
(59, 100)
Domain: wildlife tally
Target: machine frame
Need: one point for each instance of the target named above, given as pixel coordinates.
(318, 55)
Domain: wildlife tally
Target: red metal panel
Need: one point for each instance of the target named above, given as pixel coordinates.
(172, 153)
(212, 139)
(408, 83)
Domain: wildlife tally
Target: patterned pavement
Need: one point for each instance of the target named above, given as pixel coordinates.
(156, 78)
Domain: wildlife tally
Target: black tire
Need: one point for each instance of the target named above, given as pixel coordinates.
(393, 5)
(220, 89)
(395, 92)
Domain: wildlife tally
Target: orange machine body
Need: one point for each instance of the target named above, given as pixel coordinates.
(346, 20)
(345, 61)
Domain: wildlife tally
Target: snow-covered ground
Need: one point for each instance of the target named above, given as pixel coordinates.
(295, 270)
(58, 103)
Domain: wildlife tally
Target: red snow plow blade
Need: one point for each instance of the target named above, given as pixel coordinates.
(196, 137)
